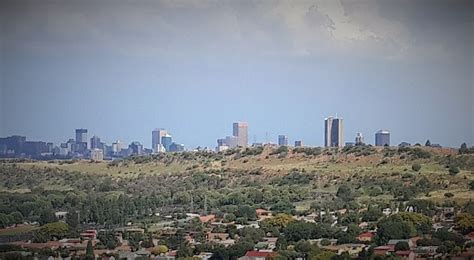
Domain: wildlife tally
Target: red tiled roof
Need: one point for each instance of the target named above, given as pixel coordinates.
(367, 234)
(260, 254)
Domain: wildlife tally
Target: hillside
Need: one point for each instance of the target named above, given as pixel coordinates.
(267, 177)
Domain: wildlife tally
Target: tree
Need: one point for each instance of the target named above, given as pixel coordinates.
(394, 227)
(89, 251)
(281, 243)
(402, 246)
(280, 221)
(108, 239)
(72, 219)
(54, 230)
(345, 193)
(416, 167)
(465, 222)
(158, 250)
(453, 170)
(471, 185)
(47, 216)
(184, 250)
(428, 143)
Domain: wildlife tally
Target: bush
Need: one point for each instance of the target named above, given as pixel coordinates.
(453, 170)
(416, 167)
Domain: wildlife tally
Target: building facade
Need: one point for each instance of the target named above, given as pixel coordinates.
(333, 132)
(359, 139)
(156, 137)
(382, 138)
(241, 131)
(283, 140)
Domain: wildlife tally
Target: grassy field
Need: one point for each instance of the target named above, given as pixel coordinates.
(16, 230)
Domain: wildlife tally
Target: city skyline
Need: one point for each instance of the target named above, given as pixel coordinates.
(281, 67)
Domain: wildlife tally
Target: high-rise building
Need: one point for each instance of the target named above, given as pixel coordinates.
(232, 141)
(166, 141)
(81, 135)
(241, 131)
(359, 139)
(136, 148)
(333, 132)
(95, 142)
(382, 138)
(175, 147)
(117, 147)
(156, 136)
(283, 140)
(298, 143)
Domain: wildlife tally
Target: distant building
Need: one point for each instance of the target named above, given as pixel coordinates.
(97, 155)
(404, 144)
(382, 138)
(81, 136)
(283, 140)
(136, 148)
(117, 146)
(12, 145)
(35, 149)
(221, 148)
(333, 132)
(232, 141)
(349, 144)
(298, 143)
(241, 131)
(359, 139)
(175, 147)
(156, 137)
(95, 142)
(166, 141)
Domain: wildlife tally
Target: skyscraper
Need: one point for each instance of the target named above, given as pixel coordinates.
(359, 139)
(283, 140)
(156, 136)
(166, 141)
(298, 143)
(333, 132)
(241, 131)
(382, 138)
(95, 142)
(81, 135)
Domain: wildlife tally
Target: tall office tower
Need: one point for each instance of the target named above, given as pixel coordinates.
(95, 142)
(283, 140)
(241, 131)
(359, 139)
(166, 141)
(232, 141)
(382, 138)
(298, 143)
(136, 148)
(81, 136)
(156, 136)
(117, 147)
(333, 132)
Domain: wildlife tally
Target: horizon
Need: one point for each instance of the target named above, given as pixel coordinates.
(194, 67)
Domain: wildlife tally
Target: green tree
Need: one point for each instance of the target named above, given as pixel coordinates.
(402, 246)
(345, 193)
(89, 251)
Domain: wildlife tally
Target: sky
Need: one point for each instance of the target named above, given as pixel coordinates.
(123, 68)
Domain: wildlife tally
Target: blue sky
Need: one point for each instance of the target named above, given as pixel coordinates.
(123, 68)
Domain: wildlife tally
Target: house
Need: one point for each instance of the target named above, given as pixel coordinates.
(217, 236)
(258, 255)
(203, 256)
(207, 218)
(263, 214)
(351, 249)
(90, 234)
(383, 250)
(366, 237)
(408, 255)
(393, 242)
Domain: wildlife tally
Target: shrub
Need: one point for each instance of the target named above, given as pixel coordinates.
(416, 167)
